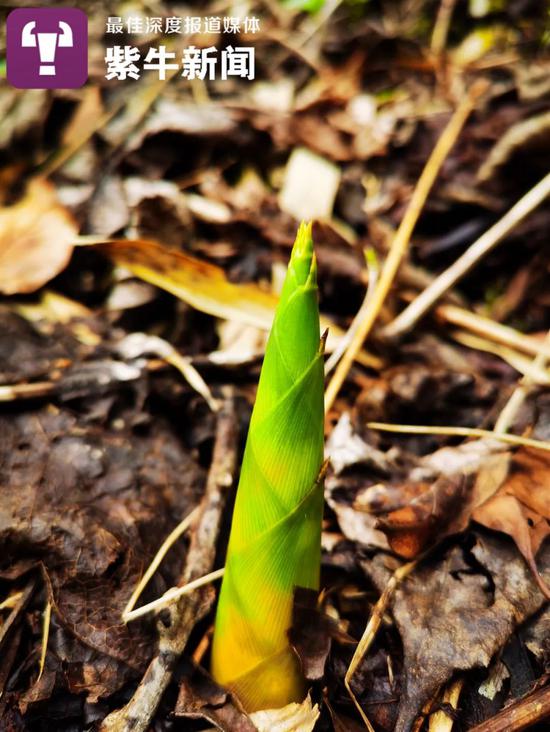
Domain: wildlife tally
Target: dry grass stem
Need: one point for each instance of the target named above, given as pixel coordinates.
(172, 537)
(347, 338)
(508, 414)
(25, 391)
(447, 279)
(415, 429)
(517, 360)
(401, 241)
(46, 622)
(173, 594)
(441, 26)
(492, 330)
(440, 721)
(371, 630)
(11, 601)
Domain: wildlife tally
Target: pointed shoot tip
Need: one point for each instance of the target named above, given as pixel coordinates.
(302, 259)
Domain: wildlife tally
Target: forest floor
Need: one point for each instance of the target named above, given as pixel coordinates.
(145, 226)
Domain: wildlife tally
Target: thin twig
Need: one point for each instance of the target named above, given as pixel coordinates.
(371, 630)
(182, 616)
(469, 259)
(403, 235)
(173, 594)
(172, 537)
(415, 429)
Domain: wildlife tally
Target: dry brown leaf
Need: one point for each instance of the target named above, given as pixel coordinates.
(528, 480)
(451, 617)
(201, 698)
(441, 510)
(36, 240)
(520, 508)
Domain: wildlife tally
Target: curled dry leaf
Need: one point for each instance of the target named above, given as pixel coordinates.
(445, 507)
(310, 634)
(36, 240)
(291, 718)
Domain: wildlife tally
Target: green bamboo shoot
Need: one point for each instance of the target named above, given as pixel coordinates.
(275, 538)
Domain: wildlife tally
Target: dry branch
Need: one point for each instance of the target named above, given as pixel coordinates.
(524, 713)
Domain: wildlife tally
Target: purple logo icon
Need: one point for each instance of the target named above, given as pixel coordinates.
(47, 48)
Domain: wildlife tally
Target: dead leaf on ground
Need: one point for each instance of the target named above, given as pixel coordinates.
(238, 344)
(74, 664)
(346, 448)
(75, 498)
(201, 698)
(36, 240)
(438, 512)
(310, 633)
(521, 508)
(454, 613)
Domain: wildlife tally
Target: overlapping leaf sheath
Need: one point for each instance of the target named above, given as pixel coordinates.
(275, 536)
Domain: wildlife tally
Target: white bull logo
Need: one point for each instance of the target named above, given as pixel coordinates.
(47, 44)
